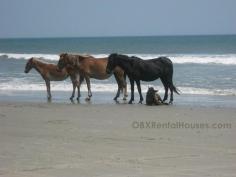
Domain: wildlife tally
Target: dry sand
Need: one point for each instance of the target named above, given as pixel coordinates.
(62, 140)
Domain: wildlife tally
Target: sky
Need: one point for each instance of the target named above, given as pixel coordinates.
(88, 18)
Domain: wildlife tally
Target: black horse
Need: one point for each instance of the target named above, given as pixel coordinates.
(145, 70)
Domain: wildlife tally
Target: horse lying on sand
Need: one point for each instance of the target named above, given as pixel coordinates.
(90, 67)
(153, 98)
(50, 72)
(145, 70)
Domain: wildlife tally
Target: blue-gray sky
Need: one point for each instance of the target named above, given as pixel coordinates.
(76, 18)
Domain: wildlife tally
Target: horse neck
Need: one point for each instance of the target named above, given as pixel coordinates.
(125, 64)
(38, 66)
(74, 60)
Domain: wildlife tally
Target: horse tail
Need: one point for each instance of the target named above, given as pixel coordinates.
(176, 90)
(170, 75)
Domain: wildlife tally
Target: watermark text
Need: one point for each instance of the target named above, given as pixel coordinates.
(179, 125)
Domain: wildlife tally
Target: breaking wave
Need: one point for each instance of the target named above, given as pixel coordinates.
(229, 59)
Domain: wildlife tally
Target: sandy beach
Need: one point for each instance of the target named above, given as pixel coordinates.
(66, 140)
(64, 63)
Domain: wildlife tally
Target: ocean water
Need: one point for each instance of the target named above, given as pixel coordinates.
(203, 65)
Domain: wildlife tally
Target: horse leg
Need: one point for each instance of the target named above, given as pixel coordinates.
(132, 91)
(81, 79)
(119, 87)
(74, 82)
(171, 86)
(89, 88)
(171, 94)
(73, 92)
(125, 88)
(48, 89)
(125, 92)
(117, 93)
(164, 82)
(139, 91)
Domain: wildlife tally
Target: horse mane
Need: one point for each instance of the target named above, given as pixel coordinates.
(39, 60)
(125, 57)
(119, 56)
(82, 57)
(128, 59)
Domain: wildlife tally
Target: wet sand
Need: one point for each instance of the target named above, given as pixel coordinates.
(66, 140)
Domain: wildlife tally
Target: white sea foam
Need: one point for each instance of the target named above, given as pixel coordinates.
(99, 87)
(227, 59)
(28, 56)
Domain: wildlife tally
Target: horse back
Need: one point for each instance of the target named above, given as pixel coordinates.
(152, 69)
(160, 61)
(94, 67)
(54, 74)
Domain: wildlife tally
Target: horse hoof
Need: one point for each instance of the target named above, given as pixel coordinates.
(130, 102)
(124, 99)
(140, 102)
(117, 102)
(87, 99)
(171, 102)
(77, 98)
(71, 98)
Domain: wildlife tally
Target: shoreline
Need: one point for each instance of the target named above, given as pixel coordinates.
(104, 98)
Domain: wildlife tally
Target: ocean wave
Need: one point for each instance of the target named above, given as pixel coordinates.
(28, 56)
(227, 59)
(99, 87)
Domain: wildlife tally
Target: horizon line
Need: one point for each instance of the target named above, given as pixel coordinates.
(174, 35)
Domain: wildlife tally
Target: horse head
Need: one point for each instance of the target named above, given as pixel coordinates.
(29, 65)
(68, 60)
(63, 61)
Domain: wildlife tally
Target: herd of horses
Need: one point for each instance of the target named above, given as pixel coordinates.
(83, 67)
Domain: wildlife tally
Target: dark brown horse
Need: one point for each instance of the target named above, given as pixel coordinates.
(90, 67)
(50, 72)
(144, 70)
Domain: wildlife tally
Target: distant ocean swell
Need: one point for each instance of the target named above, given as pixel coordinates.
(226, 59)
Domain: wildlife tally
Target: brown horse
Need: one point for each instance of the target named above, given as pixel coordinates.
(90, 67)
(50, 72)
